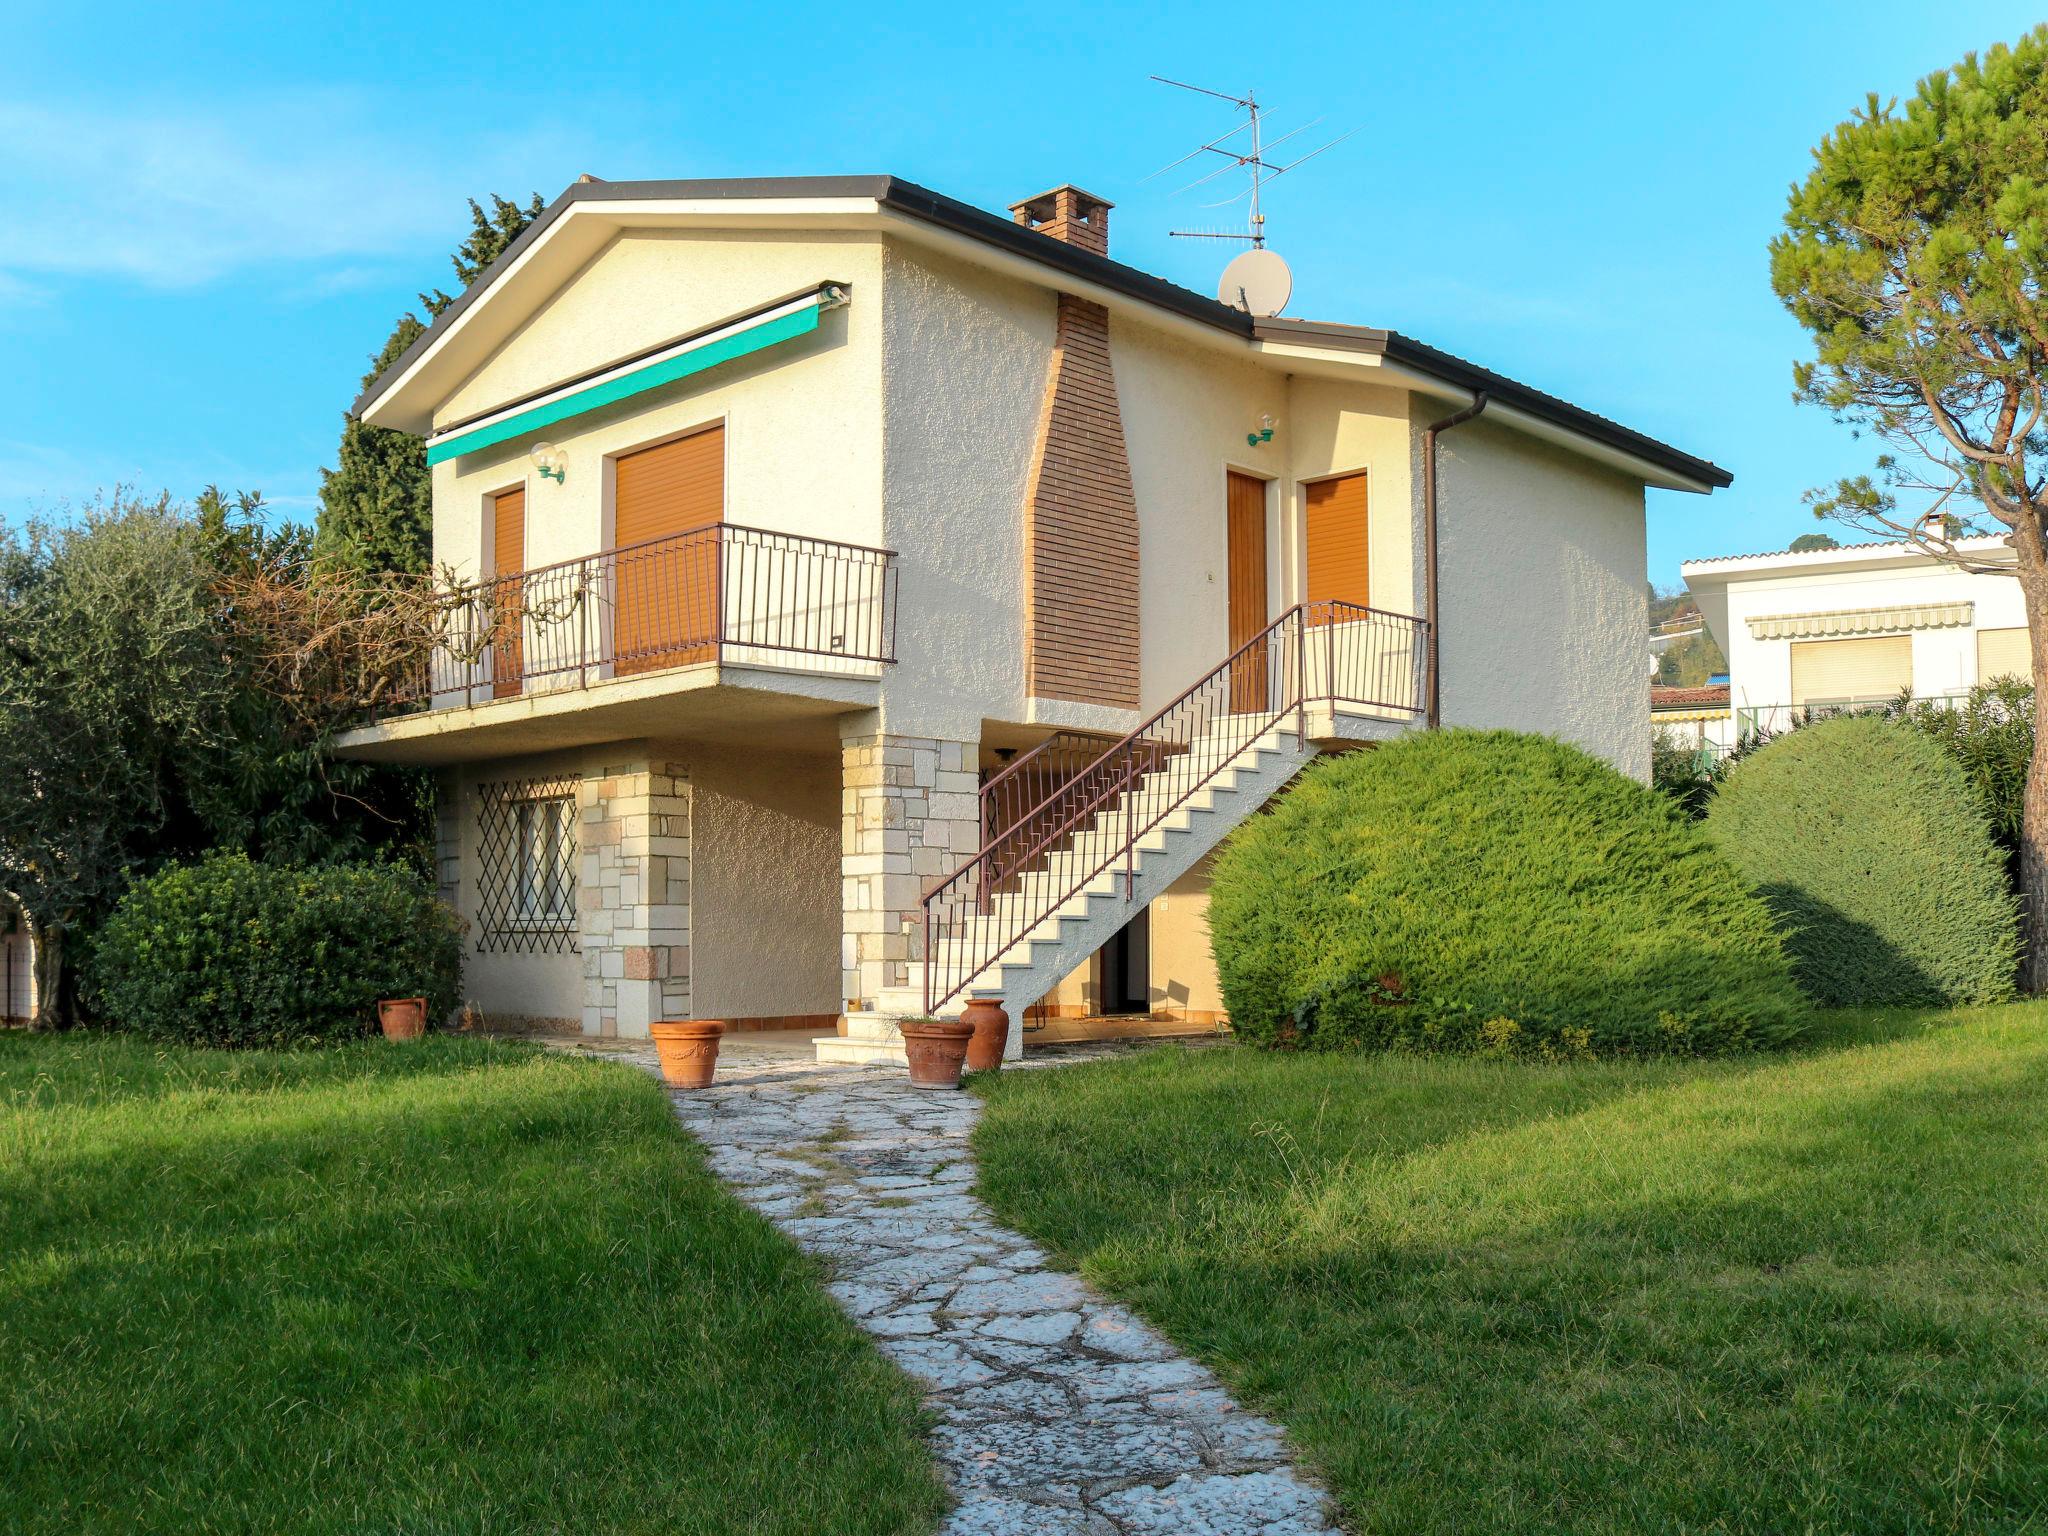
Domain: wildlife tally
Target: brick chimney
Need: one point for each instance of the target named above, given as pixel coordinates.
(1067, 213)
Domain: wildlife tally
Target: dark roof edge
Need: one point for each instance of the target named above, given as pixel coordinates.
(1438, 364)
(893, 193)
(935, 208)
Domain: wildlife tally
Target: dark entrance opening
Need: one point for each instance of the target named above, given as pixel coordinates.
(1123, 974)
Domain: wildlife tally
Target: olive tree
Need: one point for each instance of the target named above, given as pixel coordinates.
(111, 673)
(1914, 256)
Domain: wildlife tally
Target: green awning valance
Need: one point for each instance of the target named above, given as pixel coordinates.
(780, 322)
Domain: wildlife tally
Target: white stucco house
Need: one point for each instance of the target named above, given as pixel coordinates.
(1863, 624)
(882, 601)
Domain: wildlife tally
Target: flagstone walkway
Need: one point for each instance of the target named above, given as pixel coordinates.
(1058, 1411)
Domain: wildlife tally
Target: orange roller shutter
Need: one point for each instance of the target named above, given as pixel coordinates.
(1339, 569)
(667, 593)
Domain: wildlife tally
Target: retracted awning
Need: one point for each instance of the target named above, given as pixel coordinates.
(1860, 621)
(782, 321)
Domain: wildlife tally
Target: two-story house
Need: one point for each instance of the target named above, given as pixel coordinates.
(1862, 624)
(881, 601)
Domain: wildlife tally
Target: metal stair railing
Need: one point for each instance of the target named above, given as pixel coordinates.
(1038, 812)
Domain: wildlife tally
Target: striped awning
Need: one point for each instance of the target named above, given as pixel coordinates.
(1861, 621)
(782, 321)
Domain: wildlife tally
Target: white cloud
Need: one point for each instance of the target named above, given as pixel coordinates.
(173, 197)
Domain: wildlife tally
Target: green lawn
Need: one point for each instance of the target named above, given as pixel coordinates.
(1803, 1293)
(451, 1287)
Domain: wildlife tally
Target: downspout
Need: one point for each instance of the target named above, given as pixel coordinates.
(1434, 715)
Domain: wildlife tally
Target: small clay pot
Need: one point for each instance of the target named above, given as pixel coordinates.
(403, 1018)
(937, 1050)
(688, 1049)
(991, 1034)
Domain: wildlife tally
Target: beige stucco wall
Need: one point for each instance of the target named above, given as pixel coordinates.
(803, 420)
(512, 987)
(1186, 411)
(1541, 581)
(1333, 428)
(764, 885)
(963, 368)
(964, 361)
(764, 909)
(1183, 974)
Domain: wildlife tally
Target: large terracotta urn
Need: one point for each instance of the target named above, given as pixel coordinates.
(402, 1018)
(991, 1034)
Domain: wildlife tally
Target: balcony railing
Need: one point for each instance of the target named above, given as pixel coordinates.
(720, 593)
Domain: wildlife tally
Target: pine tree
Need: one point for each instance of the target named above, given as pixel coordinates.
(377, 504)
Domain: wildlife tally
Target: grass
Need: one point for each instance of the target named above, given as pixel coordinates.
(456, 1287)
(1802, 1293)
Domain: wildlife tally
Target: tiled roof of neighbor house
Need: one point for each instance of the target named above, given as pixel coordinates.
(1844, 551)
(913, 201)
(1713, 696)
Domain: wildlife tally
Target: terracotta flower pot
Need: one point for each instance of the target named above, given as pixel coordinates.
(688, 1049)
(991, 1034)
(937, 1049)
(403, 1018)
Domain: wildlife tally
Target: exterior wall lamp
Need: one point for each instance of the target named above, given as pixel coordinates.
(552, 463)
(1264, 435)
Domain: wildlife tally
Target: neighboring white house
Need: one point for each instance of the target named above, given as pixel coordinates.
(1857, 625)
(884, 601)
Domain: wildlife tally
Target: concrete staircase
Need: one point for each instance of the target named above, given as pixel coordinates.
(1112, 833)
(1051, 934)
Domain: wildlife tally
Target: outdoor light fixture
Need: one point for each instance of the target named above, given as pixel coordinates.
(549, 460)
(1264, 434)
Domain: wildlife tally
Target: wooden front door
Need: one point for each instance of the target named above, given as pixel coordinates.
(1339, 563)
(1246, 572)
(666, 589)
(508, 618)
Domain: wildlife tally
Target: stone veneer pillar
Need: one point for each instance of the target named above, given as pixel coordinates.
(634, 896)
(911, 812)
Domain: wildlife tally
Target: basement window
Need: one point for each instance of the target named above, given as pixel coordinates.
(526, 867)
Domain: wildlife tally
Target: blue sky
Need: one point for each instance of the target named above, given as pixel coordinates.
(214, 213)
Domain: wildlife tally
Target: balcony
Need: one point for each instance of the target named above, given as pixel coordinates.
(585, 650)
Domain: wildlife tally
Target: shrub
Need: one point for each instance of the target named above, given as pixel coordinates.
(1491, 892)
(1868, 843)
(1990, 734)
(1686, 775)
(229, 952)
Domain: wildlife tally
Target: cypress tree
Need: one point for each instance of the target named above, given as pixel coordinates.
(377, 504)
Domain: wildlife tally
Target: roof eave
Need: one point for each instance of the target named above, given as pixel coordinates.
(1687, 472)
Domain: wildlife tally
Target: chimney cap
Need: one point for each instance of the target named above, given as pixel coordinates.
(1042, 207)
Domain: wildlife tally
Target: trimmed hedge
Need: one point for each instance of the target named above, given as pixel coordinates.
(233, 953)
(1497, 893)
(1866, 839)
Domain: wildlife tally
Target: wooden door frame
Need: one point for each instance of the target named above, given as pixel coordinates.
(1268, 485)
(489, 565)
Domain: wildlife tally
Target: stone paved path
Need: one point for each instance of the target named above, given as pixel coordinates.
(1058, 1412)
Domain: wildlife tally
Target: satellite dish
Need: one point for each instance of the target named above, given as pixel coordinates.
(1257, 282)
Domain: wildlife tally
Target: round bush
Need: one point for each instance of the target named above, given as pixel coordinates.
(227, 952)
(1487, 891)
(1865, 839)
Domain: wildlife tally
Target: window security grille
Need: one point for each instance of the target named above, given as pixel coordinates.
(526, 867)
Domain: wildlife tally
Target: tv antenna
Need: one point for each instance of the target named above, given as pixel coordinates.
(1251, 157)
